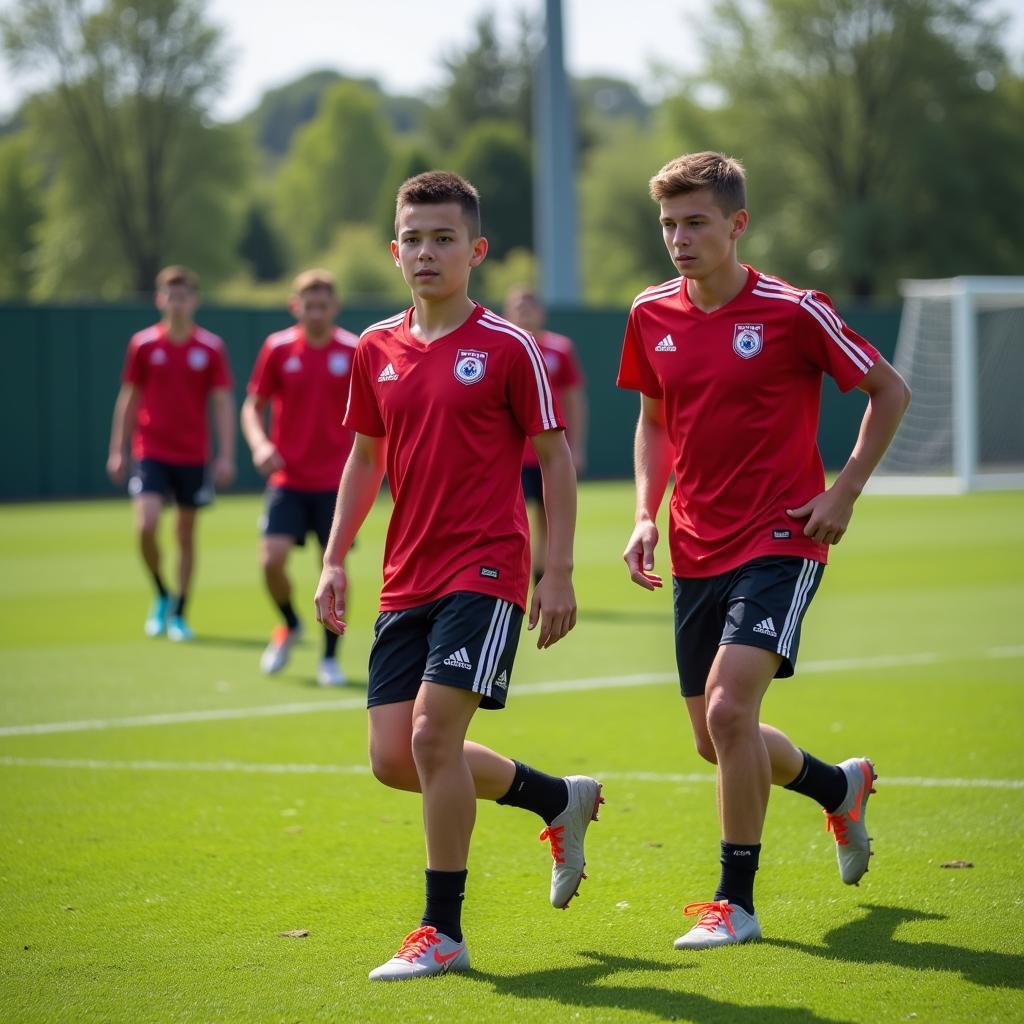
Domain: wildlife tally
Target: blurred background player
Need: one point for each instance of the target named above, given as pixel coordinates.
(524, 308)
(729, 363)
(444, 396)
(304, 373)
(172, 372)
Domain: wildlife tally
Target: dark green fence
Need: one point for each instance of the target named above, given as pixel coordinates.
(61, 370)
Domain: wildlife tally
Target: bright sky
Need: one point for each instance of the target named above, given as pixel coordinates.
(401, 42)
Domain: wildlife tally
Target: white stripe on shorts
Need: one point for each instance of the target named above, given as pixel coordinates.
(491, 629)
(804, 585)
(494, 644)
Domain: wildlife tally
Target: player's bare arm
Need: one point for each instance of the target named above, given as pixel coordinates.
(554, 601)
(360, 482)
(125, 410)
(652, 458)
(828, 514)
(265, 456)
(224, 425)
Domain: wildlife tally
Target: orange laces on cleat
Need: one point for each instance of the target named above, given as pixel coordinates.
(280, 636)
(710, 915)
(836, 824)
(554, 836)
(416, 942)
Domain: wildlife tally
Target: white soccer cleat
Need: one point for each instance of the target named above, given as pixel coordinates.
(423, 953)
(566, 832)
(179, 630)
(848, 823)
(329, 673)
(719, 923)
(276, 654)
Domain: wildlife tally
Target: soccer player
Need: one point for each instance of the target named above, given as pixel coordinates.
(172, 372)
(729, 363)
(303, 373)
(443, 395)
(524, 309)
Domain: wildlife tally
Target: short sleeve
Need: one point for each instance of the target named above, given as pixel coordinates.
(134, 371)
(529, 389)
(571, 370)
(362, 413)
(264, 381)
(220, 370)
(831, 345)
(635, 370)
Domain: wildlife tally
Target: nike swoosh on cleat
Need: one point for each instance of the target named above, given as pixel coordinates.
(443, 958)
(854, 812)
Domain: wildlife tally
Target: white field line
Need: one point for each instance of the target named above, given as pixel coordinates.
(256, 768)
(523, 690)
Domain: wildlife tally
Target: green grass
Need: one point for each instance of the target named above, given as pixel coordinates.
(132, 892)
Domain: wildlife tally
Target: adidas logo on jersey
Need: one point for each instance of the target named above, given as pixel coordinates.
(767, 627)
(502, 681)
(666, 344)
(459, 659)
(388, 373)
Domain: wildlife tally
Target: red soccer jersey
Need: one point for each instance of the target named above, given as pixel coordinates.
(742, 391)
(564, 372)
(307, 388)
(175, 381)
(455, 413)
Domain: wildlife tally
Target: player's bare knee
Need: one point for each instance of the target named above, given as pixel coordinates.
(394, 768)
(729, 720)
(433, 746)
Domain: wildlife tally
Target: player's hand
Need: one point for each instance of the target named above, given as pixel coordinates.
(223, 472)
(116, 468)
(828, 515)
(267, 459)
(554, 606)
(330, 598)
(639, 555)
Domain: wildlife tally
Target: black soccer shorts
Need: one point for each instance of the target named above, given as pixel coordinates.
(463, 639)
(533, 484)
(761, 603)
(292, 513)
(187, 486)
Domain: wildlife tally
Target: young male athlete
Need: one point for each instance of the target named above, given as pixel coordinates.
(729, 364)
(303, 373)
(524, 309)
(172, 372)
(444, 395)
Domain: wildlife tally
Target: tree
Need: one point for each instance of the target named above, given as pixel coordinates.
(132, 85)
(259, 245)
(20, 213)
(864, 124)
(333, 174)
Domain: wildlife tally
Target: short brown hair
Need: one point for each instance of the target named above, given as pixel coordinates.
(177, 274)
(722, 175)
(435, 187)
(314, 280)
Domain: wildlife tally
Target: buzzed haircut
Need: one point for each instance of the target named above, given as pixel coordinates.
(314, 280)
(722, 175)
(177, 274)
(432, 188)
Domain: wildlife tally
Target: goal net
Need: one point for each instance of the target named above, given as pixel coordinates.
(961, 350)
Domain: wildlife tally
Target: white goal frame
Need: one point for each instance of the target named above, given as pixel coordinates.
(966, 296)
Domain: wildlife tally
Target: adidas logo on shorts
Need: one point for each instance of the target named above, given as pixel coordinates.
(767, 627)
(459, 659)
(502, 681)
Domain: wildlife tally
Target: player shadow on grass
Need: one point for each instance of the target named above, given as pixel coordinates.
(248, 642)
(581, 988)
(870, 940)
(659, 616)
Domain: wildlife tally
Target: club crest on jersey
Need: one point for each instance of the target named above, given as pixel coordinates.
(337, 364)
(747, 340)
(470, 365)
(197, 358)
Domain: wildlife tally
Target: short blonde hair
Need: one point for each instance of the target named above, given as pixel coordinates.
(314, 280)
(722, 175)
(177, 274)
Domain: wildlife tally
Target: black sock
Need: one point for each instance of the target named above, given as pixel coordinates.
(823, 782)
(179, 604)
(546, 795)
(158, 581)
(538, 576)
(445, 892)
(330, 643)
(739, 865)
(290, 618)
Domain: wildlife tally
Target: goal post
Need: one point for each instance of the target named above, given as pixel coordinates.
(961, 350)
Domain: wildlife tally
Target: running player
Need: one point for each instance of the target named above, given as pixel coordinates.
(172, 371)
(729, 364)
(524, 309)
(303, 373)
(444, 396)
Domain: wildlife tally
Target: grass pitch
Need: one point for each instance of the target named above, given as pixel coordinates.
(166, 811)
